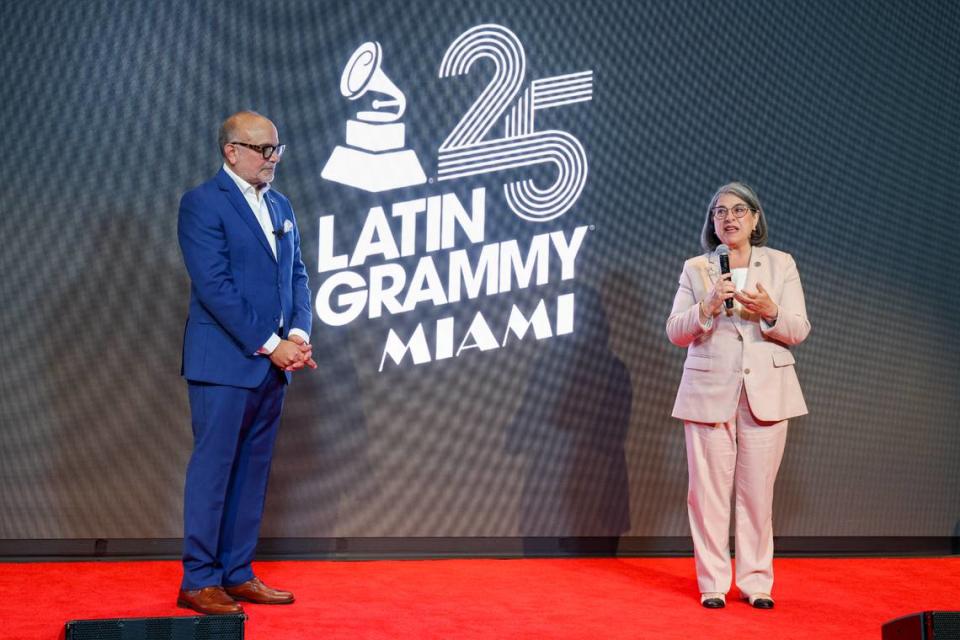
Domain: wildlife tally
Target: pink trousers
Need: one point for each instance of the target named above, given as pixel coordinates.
(739, 457)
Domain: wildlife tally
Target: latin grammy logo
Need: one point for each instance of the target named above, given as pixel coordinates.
(374, 158)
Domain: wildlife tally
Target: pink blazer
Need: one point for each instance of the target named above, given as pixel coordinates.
(740, 347)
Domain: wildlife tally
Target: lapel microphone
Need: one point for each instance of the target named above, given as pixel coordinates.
(279, 232)
(723, 254)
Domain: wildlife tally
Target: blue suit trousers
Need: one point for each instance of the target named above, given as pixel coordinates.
(234, 430)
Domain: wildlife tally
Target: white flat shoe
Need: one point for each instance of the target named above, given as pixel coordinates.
(713, 600)
(760, 601)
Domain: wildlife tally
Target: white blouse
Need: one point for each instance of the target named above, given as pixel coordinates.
(739, 277)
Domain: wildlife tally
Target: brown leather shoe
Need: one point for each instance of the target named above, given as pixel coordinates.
(259, 593)
(209, 600)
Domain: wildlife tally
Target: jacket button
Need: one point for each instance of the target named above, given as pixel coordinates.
(746, 371)
(756, 264)
(740, 338)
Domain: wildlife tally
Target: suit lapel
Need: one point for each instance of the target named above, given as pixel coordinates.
(276, 219)
(246, 214)
(702, 268)
(757, 270)
(711, 269)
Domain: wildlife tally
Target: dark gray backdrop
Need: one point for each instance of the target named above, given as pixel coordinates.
(846, 118)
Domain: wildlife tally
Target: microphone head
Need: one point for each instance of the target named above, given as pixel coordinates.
(723, 250)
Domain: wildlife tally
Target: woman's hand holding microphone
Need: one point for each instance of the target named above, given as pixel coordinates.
(723, 289)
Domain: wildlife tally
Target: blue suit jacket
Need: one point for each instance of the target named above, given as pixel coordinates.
(238, 289)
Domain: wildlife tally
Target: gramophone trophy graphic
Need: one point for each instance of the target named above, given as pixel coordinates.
(374, 158)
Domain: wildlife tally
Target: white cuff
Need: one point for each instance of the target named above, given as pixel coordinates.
(301, 333)
(766, 326)
(272, 343)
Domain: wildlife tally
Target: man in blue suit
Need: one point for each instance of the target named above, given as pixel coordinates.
(248, 328)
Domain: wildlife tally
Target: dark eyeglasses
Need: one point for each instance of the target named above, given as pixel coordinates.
(266, 150)
(720, 213)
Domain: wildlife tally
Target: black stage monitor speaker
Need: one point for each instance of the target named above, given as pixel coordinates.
(926, 625)
(185, 628)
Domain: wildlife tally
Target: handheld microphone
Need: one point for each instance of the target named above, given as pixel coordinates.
(723, 253)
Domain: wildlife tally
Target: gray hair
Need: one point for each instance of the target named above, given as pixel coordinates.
(228, 129)
(708, 237)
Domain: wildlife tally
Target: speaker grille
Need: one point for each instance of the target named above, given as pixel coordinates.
(182, 628)
(945, 625)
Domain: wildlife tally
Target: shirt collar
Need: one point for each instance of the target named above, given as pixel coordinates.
(245, 187)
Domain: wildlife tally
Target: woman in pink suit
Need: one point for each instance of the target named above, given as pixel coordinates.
(738, 390)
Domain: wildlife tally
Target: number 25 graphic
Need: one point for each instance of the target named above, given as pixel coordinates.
(466, 153)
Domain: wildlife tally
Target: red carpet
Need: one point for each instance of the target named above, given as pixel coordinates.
(462, 599)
